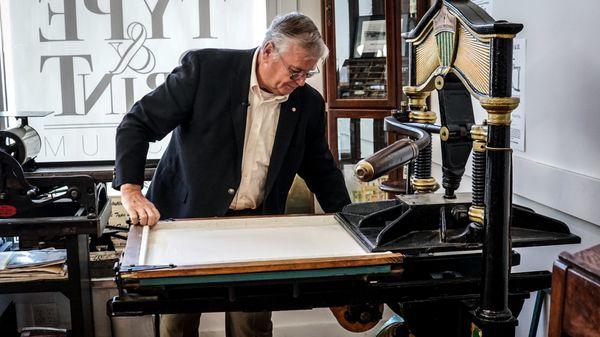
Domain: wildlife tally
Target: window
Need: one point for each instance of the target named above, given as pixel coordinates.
(88, 62)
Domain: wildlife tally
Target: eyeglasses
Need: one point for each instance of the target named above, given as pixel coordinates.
(297, 74)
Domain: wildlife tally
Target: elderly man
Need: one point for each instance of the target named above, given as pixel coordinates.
(244, 124)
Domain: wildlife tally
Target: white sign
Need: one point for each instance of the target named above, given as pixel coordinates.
(89, 61)
(487, 5)
(517, 126)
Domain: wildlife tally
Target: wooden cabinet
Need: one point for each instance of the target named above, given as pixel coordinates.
(363, 39)
(364, 74)
(575, 306)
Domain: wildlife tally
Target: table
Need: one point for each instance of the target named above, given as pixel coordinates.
(575, 309)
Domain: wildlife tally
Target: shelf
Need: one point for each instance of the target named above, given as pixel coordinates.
(365, 78)
(35, 286)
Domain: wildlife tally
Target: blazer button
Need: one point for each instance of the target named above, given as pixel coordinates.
(231, 191)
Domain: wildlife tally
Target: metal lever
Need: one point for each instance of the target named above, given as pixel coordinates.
(395, 155)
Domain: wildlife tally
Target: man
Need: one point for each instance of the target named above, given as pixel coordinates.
(244, 124)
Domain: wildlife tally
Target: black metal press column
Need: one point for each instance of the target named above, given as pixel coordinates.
(498, 190)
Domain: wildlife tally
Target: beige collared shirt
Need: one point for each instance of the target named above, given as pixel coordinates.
(261, 125)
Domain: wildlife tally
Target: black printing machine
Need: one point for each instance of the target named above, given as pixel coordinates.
(52, 204)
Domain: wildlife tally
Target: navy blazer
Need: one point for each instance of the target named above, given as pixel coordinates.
(204, 102)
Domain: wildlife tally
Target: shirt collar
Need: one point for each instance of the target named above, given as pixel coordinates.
(255, 89)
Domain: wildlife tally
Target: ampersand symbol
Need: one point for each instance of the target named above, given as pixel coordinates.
(131, 58)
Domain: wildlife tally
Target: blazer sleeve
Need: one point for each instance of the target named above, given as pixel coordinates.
(318, 167)
(152, 118)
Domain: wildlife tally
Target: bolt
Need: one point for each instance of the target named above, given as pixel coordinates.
(75, 194)
(365, 317)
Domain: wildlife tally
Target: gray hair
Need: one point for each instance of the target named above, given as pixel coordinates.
(298, 29)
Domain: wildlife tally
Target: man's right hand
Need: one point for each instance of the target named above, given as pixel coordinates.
(140, 210)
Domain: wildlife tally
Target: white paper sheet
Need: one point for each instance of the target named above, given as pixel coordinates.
(248, 239)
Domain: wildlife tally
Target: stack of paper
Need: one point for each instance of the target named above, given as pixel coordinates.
(33, 265)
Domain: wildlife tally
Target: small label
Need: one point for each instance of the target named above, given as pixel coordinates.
(6, 211)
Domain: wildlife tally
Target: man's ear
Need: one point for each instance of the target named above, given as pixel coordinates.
(269, 48)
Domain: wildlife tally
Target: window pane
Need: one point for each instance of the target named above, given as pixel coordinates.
(357, 139)
(361, 49)
(89, 62)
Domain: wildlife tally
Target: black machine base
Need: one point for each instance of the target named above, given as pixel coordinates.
(425, 223)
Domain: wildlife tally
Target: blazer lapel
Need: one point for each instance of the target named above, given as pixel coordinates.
(239, 87)
(288, 118)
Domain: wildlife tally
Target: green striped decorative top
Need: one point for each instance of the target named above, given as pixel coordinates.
(445, 43)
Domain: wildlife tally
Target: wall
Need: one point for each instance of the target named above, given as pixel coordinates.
(561, 165)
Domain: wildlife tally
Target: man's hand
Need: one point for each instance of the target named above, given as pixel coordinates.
(140, 210)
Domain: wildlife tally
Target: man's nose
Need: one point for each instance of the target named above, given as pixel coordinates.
(301, 80)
